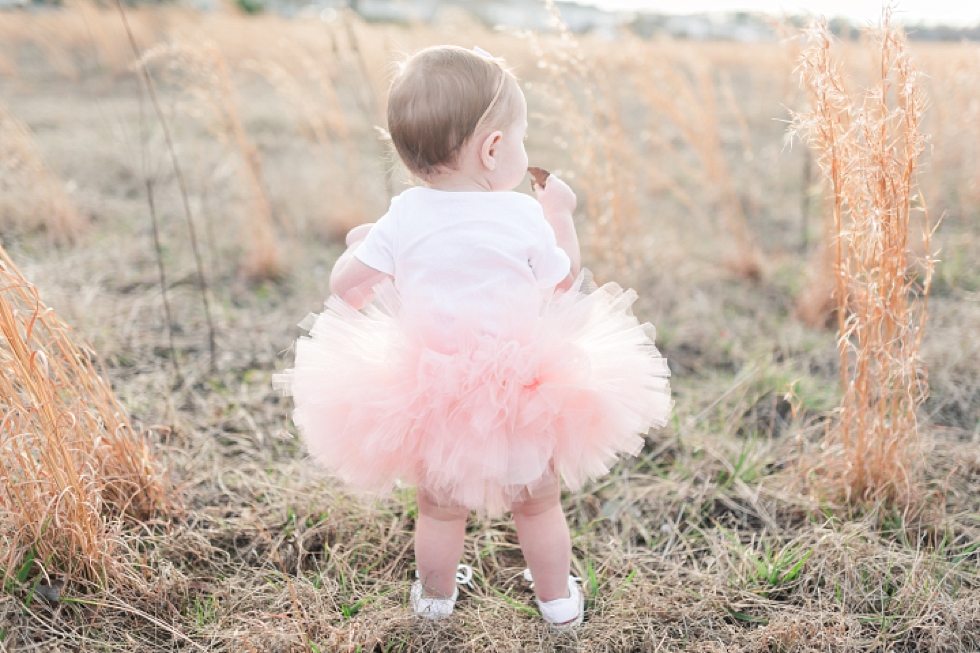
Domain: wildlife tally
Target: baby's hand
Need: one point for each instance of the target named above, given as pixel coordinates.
(358, 233)
(556, 196)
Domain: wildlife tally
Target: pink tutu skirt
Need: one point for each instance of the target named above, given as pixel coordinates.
(489, 422)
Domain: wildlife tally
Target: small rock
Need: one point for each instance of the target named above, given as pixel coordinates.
(51, 592)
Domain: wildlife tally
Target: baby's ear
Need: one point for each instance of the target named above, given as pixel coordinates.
(488, 149)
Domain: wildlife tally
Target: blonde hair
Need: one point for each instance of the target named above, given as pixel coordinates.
(440, 98)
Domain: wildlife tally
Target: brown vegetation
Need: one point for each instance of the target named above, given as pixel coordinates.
(71, 464)
(689, 192)
(30, 195)
(868, 150)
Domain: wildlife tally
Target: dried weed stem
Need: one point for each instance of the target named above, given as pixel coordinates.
(175, 162)
(868, 149)
(208, 76)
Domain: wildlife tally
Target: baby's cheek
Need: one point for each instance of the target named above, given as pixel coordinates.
(520, 165)
(519, 172)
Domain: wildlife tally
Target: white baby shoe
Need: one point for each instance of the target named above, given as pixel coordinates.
(435, 609)
(562, 614)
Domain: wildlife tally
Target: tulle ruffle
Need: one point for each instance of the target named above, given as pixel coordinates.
(481, 420)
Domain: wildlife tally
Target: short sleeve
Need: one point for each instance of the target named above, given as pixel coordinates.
(549, 262)
(378, 249)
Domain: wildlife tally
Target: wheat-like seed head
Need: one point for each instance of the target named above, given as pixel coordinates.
(868, 148)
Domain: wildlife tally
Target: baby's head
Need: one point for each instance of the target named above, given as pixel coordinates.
(451, 109)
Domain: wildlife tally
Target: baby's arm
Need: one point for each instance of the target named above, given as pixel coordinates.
(558, 201)
(350, 279)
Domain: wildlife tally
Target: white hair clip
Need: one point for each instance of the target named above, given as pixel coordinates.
(483, 53)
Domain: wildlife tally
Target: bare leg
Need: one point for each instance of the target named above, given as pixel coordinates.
(545, 542)
(439, 537)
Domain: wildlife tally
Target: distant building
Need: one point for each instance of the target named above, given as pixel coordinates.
(514, 14)
(738, 26)
(586, 19)
(396, 11)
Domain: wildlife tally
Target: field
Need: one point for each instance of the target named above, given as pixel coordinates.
(725, 534)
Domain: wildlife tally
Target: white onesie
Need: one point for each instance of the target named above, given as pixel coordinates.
(467, 262)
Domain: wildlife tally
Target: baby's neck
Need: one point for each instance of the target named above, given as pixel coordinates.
(455, 185)
(457, 181)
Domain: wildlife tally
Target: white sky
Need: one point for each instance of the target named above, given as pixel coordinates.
(951, 12)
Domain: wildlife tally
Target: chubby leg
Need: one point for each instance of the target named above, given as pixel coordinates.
(439, 537)
(545, 542)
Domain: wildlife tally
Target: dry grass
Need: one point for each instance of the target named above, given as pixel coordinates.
(706, 542)
(205, 74)
(868, 149)
(695, 546)
(582, 106)
(684, 94)
(30, 195)
(71, 463)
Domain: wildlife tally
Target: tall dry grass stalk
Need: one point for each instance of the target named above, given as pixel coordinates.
(207, 77)
(868, 147)
(684, 94)
(953, 178)
(150, 88)
(815, 303)
(310, 81)
(591, 135)
(263, 260)
(71, 464)
(30, 194)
